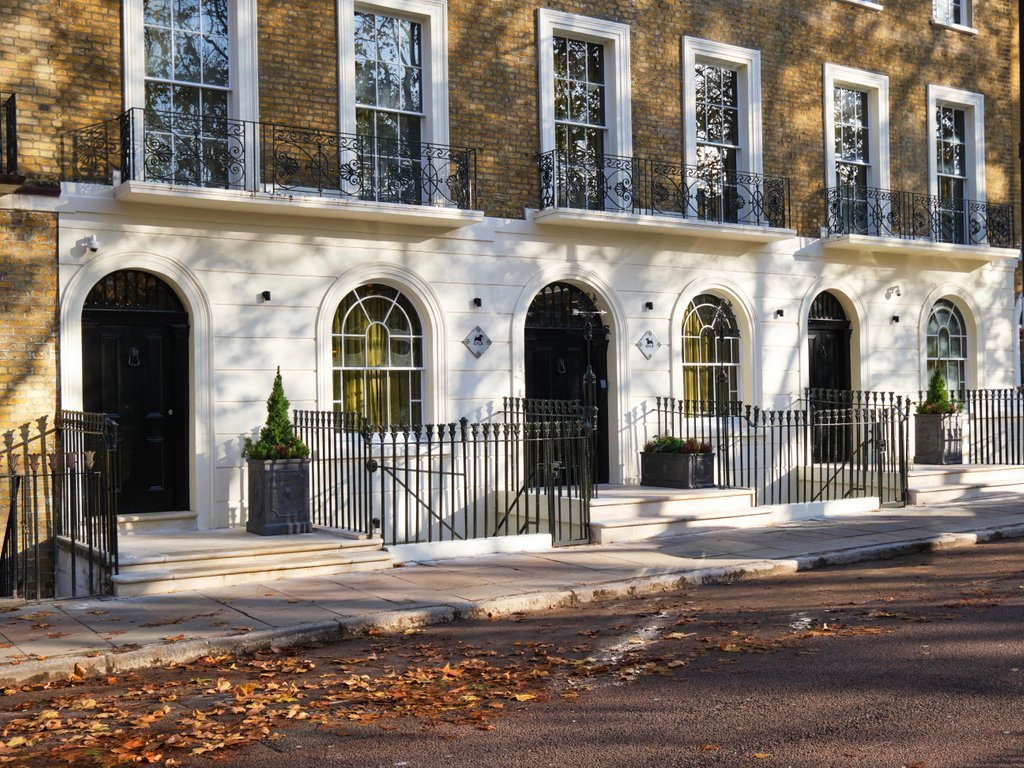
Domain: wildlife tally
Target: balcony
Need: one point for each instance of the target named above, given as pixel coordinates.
(10, 180)
(864, 218)
(183, 159)
(634, 193)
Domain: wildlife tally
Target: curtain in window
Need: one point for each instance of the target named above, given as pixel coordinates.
(711, 346)
(378, 357)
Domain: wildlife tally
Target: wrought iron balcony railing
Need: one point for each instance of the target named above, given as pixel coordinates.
(645, 186)
(912, 216)
(214, 152)
(8, 135)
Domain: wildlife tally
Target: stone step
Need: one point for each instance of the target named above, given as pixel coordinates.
(181, 575)
(646, 513)
(167, 549)
(156, 522)
(923, 477)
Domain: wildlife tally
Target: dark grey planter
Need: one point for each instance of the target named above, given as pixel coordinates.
(278, 497)
(938, 438)
(678, 470)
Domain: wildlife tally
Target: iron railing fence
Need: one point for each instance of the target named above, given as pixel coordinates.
(837, 445)
(223, 153)
(855, 210)
(8, 134)
(650, 186)
(994, 420)
(60, 535)
(449, 482)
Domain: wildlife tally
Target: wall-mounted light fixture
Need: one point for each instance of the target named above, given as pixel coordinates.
(649, 306)
(478, 302)
(893, 290)
(92, 243)
(780, 313)
(265, 295)
(895, 318)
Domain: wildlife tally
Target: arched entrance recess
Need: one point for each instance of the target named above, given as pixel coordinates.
(567, 355)
(828, 346)
(135, 369)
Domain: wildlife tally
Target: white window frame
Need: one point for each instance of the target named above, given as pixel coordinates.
(433, 16)
(877, 88)
(615, 38)
(243, 102)
(746, 62)
(973, 104)
(968, 12)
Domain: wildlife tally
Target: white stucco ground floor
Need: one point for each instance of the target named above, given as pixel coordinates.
(261, 289)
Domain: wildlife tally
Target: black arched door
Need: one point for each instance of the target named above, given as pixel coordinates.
(828, 347)
(565, 333)
(135, 370)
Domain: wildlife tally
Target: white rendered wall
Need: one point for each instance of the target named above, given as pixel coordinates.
(220, 263)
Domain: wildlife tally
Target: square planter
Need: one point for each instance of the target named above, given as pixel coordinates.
(278, 497)
(938, 438)
(678, 470)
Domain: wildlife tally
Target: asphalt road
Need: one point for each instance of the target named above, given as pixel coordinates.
(911, 662)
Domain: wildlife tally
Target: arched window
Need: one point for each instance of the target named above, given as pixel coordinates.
(947, 344)
(711, 350)
(377, 352)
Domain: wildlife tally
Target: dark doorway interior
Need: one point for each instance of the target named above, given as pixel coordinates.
(135, 370)
(565, 332)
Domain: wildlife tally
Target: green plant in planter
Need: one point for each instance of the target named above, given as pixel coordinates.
(937, 400)
(669, 444)
(277, 437)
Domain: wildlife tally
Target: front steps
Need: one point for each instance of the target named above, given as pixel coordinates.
(151, 564)
(634, 513)
(935, 484)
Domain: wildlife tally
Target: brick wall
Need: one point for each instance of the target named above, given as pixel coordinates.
(298, 50)
(493, 81)
(63, 58)
(28, 316)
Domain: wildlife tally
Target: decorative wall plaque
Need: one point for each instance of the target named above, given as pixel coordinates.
(477, 342)
(648, 344)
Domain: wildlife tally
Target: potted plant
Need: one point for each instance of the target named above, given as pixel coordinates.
(938, 431)
(278, 473)
(673, 462)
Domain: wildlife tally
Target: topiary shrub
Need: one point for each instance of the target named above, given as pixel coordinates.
(277, 437)
(937, 399)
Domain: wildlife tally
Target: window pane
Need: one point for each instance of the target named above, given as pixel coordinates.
(215, 17)
(577, 59)
(186, 15)
(411, 91)
(389, 86)
(215, 61)
(387, 39)
(366, 83)
(158, 53)
(595, 63)
(366, 36)
(157, 12)
(187, 57)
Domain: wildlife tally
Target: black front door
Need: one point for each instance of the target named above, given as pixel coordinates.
(828, 348)
(558, 353)
(135, 368)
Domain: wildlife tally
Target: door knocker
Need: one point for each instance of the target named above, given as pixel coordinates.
(560, 366)
(133, 357)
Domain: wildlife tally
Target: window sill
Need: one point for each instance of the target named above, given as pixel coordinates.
(663, 224)
(865, 4)
(955, 27)
(874, 243)
(294, 205)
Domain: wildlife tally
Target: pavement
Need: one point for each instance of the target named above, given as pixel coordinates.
(108, 636)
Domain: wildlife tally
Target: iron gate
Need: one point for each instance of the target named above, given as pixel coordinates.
(449, 482)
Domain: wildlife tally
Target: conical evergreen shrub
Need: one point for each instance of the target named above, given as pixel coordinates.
(277, 437)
